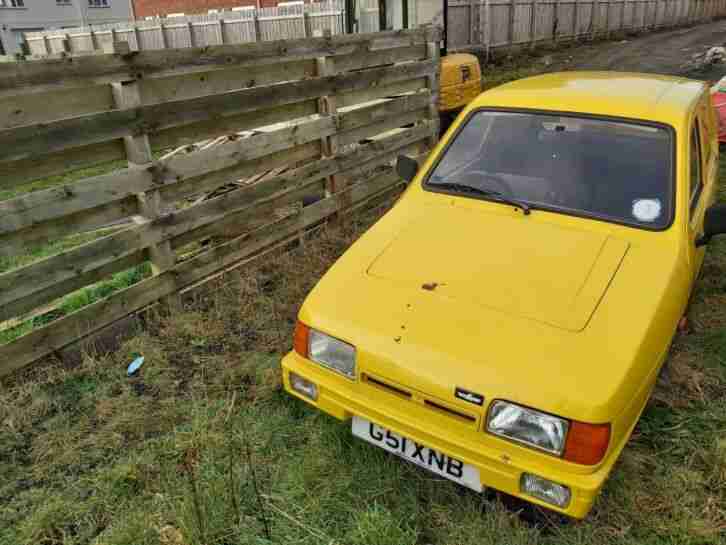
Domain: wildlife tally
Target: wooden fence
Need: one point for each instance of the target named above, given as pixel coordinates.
(493, 24)
(473, 24)
(315, 120)
(228, 27)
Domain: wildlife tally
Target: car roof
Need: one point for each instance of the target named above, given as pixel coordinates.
(651, 97)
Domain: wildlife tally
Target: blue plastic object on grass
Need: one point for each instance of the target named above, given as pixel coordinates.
(135, 365)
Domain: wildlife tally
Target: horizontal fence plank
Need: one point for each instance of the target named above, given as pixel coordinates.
(35, 140)
(16, 174)
(189, 134)
(115, 67)
(33, 209)
(344, 99)
(364, 58)
(239, 171)
(58, 275)
(155, 90)
(32, 107)
(394, 121)
(24, 241)
(56, 335)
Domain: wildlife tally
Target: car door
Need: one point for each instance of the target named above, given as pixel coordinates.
(703, 167)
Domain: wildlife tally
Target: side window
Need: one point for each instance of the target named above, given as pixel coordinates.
(696, 184)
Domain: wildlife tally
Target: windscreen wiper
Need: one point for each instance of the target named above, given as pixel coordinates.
(498, 196)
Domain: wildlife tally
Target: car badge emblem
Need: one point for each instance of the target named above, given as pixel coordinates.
(471, 397)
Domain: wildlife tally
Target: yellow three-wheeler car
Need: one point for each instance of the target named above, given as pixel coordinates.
(504, 324)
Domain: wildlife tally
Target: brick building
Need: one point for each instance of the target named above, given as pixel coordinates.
(145, 8)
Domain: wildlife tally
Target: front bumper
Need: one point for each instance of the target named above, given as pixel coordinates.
(500, 466)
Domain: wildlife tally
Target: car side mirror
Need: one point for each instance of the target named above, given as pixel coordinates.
(714, 223)
(406, 167)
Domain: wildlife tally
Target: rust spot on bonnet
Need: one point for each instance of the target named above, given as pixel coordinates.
(430, 286)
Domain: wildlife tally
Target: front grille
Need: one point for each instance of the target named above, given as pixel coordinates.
(467, 418)
(386, 386)
(422, 400)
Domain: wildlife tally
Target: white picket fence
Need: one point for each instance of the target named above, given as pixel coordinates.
(229, 27)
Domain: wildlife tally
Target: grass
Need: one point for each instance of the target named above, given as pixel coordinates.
(52, 248)
(203, 447)
(77, 300)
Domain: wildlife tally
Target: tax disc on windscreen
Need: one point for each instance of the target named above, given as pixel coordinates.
(647, 210)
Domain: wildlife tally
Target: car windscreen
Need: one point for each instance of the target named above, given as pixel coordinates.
(613, 170)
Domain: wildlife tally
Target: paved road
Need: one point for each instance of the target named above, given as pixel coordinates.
(668, 52)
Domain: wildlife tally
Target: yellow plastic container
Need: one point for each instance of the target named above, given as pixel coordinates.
(460, 81)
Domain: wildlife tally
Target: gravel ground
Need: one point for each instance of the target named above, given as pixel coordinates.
(667, 52)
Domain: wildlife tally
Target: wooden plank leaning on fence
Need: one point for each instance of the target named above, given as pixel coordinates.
(374, 113)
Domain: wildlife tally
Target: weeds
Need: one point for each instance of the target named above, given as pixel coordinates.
(203, 447)
(77, 300)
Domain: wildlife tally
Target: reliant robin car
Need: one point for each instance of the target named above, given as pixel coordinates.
(504, 323)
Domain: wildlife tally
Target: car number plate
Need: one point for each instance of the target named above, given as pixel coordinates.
(433, 460)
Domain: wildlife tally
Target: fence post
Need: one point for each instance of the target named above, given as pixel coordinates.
(472, 22)
(307, 25)
(327, 106)
(257, 27)
(46, 44)
(510, 23)
(220, 29)
(162, 32)
(304, 19)
(555, 21)
(433, 52)
(593, 17)
(607, 19)
(127, 94)
(190, 29)
(575, 19)
(533, 24)
(488, 28)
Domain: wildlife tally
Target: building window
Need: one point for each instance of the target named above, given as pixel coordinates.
(12, 3)
(98, 3)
